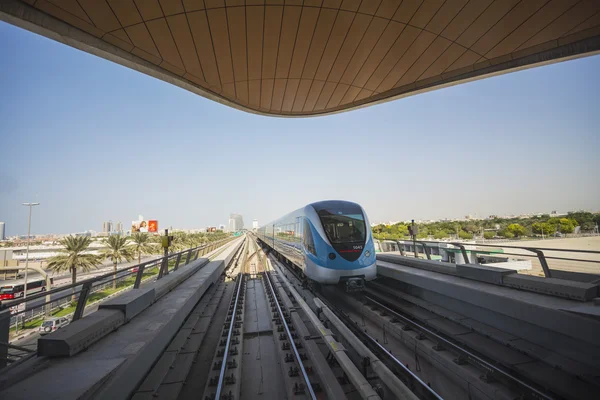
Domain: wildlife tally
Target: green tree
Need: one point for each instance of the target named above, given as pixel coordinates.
(567, 225)
(465, 235)
(142, 244)
(581, 217)
(117, 249)
(489, 235)
(180, 242)
(543, 228)
(517, 230)
(588, 226)
(74, 255)
(506, 233)
(378, 229)
(471, 228)
(441, 234)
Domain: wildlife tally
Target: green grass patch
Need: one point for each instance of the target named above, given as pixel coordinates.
(99, 295)
(34, 323)
(64, 311)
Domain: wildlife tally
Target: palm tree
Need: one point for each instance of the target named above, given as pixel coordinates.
(142, 244)
(117, 250)
(74, 256)
(179, 243)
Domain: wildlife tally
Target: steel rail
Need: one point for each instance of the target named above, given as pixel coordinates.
(291, 339)
(478, 360)
(359, 381)
(229, 334)
(357, 332)
(400, 364)
(424, 387)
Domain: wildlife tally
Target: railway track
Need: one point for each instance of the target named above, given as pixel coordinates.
(260, 334)
(428, 362)
(490, 370)
(240, 342)
(523, 373)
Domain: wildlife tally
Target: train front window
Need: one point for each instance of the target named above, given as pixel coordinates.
(343, 227)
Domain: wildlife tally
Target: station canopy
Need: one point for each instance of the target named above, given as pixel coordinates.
(313, 57)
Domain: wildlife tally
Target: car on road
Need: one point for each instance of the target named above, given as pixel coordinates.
(53, 324)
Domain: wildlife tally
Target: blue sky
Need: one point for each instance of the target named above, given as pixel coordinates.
(92, 141)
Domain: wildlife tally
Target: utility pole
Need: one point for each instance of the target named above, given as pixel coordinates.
(414, 231)
(30, 205)
(165, 242)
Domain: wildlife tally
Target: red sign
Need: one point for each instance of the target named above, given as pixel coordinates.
(153, 226)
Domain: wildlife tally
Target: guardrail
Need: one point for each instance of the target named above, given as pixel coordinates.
(538, 253)
(82, 290)
(57, 304)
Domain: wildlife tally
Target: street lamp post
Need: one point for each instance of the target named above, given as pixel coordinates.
(30, 205)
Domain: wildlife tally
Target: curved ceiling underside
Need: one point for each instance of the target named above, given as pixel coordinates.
(314, 57)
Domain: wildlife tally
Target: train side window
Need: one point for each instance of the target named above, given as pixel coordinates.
(309, 243)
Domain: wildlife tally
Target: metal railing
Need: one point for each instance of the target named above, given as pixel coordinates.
(36, 312)
(539, 253)
(81, 291)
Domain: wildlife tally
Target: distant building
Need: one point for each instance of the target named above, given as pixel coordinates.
(6, 260)
(254, 224)
(221, 227)
(86, 233)
(107, 227)
(119, 227)
(236, 222)
(2, 231)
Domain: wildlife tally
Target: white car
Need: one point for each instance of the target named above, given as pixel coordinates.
(53, 324)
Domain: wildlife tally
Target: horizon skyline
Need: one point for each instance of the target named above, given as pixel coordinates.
(92, 141)
(371, 221)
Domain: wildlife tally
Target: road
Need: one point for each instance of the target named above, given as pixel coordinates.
(31, 340)
(65, 280)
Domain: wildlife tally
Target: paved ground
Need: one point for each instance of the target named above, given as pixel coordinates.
(581, 243)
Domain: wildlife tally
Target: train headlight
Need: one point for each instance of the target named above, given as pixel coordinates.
(367, 253)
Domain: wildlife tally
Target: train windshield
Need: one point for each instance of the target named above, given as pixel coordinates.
(343, 225)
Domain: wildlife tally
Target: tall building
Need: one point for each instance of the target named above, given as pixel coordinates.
(2, 231)
(254, 224)
(236, 222)
(119, 227)
(107, 227)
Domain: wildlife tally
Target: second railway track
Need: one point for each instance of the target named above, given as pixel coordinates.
(259, 333)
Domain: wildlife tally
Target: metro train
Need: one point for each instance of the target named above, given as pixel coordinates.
(328, 241)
